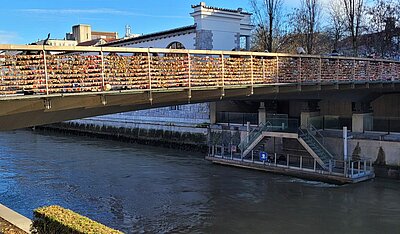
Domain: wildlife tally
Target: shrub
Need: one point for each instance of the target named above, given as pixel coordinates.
(55, 219)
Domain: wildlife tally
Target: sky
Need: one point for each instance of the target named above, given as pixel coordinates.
(26, 21)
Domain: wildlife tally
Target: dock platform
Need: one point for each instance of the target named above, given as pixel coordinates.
(295, 171)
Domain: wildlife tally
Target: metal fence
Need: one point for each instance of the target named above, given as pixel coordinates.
(237, 118)
(385, 124)
(48, 69)
(379, 124)
(327, 122)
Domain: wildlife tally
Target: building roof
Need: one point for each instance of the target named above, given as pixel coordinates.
(184, 29)
(108, 34)
(239, 10)
(94, 42)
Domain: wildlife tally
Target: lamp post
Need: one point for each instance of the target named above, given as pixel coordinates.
(45, 64)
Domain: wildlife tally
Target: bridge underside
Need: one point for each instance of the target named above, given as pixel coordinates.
(31, 110)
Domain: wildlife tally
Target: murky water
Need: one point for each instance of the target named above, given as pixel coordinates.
(145, 189)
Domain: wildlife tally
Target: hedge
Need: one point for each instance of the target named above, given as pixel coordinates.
(55, 219)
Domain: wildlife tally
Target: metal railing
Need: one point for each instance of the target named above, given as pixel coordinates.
(317, 133)
(34, 69)
(315, 140)
(385, 124)
(237, 118)
(253, 135)
(348, 169)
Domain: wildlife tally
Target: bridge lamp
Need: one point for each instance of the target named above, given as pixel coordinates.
(47, 104)
(103, 100)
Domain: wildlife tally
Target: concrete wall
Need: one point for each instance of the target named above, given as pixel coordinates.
(387, 105)
(336, 107)
(238, 106)
(369, 149)
(111, 121)
(183, 115)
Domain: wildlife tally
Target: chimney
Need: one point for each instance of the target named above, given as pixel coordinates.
(127, 30)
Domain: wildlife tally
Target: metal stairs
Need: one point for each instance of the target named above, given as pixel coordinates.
(254, 138)
(309, 141)
(306, 137)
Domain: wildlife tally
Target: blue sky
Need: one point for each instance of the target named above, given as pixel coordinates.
(26, 21)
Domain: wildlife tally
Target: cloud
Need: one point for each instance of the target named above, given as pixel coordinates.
(8, 37)
(109, 11)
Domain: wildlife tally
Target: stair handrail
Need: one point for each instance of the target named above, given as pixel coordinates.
(317, 131)
(255, 132)
(319, 143)
(248, 137)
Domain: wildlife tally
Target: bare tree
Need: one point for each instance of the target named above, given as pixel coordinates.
(337, 18)
(305, 21)
(382, 24)
(354, 12)
(312, 12)
(266, 15)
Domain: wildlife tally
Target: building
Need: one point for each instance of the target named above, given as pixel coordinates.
(83, 32)
(58, 42)
(82, 35)
(213, 29)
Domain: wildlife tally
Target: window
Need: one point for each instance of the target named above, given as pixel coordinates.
(175, 45)
(175, 107)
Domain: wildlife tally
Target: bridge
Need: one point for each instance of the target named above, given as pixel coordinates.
(46, 84)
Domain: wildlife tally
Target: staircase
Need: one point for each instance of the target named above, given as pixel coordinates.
(315, 147)
(306, 137)
(253, 139)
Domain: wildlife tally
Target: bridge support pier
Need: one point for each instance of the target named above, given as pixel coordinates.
(305, 117)
(262, 113)
(362, 118)
(310, 109)
(362, 122)
(213, 113)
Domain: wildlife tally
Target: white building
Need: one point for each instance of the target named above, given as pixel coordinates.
(58, 42)
(213, 29)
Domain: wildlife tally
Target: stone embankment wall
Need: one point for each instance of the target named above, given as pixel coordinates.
(178, 137)
(388, 164)
(181, 127)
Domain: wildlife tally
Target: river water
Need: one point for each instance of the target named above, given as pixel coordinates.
(143, 189)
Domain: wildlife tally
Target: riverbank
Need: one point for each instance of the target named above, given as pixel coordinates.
(8, 228)
(189, 141)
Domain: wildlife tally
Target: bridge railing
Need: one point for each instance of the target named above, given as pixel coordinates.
(37, 69)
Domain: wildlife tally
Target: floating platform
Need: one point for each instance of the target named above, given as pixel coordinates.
(304, 173)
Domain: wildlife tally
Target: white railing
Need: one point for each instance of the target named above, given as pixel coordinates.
(349, 169)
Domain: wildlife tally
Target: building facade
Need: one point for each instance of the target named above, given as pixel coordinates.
(213, 29)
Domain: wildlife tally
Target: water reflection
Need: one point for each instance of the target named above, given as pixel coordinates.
(146, 189)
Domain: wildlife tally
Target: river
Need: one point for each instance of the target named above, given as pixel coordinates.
(144, 189)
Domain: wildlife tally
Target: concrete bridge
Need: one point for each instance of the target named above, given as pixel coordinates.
(45, 84)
